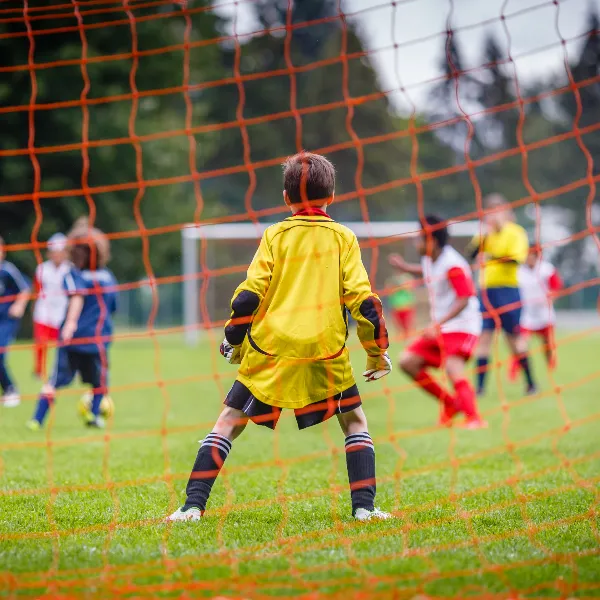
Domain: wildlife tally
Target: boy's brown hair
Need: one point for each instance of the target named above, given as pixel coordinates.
(308, 177)
(81, 237)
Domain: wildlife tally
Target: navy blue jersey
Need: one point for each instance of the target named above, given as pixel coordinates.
(12, 283)
(99, 304)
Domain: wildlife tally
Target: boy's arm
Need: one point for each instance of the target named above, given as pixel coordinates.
(73, 286)
(113, 296)
(399, 263)
(475, 246)
(73, 314)
(555, 283)
(249, 294)
(365, 307)
(17, 308)
(464, 289)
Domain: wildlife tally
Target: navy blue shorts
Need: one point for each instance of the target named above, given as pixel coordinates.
(89, 366)
(8, 332)
(241, 398)
(497, 299)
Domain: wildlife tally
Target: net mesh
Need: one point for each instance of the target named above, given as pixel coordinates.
(509, 514)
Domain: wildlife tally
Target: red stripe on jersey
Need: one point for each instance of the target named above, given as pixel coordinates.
(311, 212)
(555, 282)
(461, 283)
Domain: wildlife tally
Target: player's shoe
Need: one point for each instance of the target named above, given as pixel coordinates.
(362, 514)
(186, 514)
(33, 425)
(531, 390)
(95, 422)
(474, 423)
(11, 400)
(447, 415)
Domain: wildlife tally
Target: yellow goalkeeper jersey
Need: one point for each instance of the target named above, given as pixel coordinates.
(504, 251)
(290, 318)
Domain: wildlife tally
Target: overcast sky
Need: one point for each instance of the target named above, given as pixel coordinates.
(533, 33)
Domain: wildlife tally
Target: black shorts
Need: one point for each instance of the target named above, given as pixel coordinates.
(241, 398)
(89, 365)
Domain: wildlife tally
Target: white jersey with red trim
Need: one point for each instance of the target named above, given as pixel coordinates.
(442, 294)
(537, 311)
(51, 305)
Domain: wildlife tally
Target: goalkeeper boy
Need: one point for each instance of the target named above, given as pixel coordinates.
(288, 332)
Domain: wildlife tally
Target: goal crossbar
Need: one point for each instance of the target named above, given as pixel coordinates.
(192, 234)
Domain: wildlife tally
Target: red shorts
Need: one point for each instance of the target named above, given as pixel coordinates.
(404, 317)
(448, 344)
(545, 332)
(44, 333)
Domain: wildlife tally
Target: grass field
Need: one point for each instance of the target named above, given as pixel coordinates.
(507, 512)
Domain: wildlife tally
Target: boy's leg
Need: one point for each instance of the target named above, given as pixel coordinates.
(38, 349)
(549, 347)
(63, 375)
(360, 459)
(414, 366)
(489, 311)
(483, 355)
(519, 348)
(5, 379)
(211, 456)
(93, 368)
(10, 396)
(465, 394)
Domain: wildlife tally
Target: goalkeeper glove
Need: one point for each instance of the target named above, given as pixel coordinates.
(233, 354)
(377, 367)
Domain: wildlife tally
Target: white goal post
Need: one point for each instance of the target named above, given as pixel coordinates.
(192, 234)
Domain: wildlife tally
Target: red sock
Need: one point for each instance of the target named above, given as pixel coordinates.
(431, 386)
(515, 366)
(466, 399)
(39, 350)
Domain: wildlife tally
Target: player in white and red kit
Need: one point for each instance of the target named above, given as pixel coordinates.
(455, 326)
(51, 303)
(538, 280)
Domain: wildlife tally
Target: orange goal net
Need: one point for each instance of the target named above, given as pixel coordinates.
(164, 121)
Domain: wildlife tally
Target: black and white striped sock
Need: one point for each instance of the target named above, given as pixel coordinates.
(211, 456)
(360, 461)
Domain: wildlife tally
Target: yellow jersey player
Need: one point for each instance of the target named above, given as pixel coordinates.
(288, 331)
(503, 247)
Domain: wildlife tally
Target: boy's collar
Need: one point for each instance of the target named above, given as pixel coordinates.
(311, 212)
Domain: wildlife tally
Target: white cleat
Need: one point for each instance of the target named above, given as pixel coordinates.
(11, 400)
(362, 514)
(190, 514)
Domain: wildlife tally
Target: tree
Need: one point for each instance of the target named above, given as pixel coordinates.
(325, 95)
(115, 162)
(453, 97)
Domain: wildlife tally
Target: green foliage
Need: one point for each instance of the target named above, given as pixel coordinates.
(311, 87)
(120, 116)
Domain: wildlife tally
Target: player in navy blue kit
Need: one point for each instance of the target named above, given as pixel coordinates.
(14, 295)
(86, 333)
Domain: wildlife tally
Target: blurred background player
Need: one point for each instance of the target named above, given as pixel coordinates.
(288, 335)
(503, 247)
(87, 330)
(538, 281)
(451, 338)
(14, 296)
(402, 302)
(51, 304)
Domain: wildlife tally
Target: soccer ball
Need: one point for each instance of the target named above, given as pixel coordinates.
(107, 407)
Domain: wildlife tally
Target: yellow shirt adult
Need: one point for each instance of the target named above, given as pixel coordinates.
(504, 251)
(290, 313)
